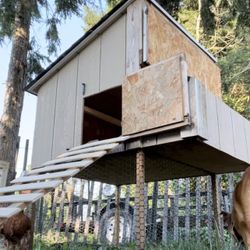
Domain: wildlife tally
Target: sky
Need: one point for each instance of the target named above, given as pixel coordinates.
(69, 32)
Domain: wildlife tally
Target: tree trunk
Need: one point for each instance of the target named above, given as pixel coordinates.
(198, 22)
(13, 101)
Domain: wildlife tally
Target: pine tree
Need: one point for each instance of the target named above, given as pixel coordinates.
(16, 18)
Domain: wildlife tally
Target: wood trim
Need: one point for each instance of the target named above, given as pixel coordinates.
(102, 116)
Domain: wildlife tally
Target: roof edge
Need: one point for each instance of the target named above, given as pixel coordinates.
(91, 34)
(76, 47)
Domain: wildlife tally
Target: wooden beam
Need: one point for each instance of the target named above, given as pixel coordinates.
(139, 201)
(102, 116)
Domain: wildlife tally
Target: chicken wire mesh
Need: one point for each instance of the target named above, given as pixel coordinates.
(84, 213)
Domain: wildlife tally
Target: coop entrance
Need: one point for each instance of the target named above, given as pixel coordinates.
(102, 115)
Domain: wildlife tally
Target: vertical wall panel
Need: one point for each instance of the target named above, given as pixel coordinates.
(212, 120)
(42, 146)
(65, 109)
(113, 49)
(247, 133)
(78, 110)
(225, 128)
(89, 67)
(240, 142)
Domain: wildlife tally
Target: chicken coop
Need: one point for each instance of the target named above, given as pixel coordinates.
(135, 100)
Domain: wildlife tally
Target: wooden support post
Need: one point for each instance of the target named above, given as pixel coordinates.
(216, 201)
(139, 201)
(117, 216)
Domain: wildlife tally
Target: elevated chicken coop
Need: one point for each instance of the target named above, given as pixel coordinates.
(135, 100)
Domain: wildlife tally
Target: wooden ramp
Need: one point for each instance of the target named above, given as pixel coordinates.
(43, 179)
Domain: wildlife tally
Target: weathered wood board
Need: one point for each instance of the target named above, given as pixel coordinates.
(165, 41)
(153, 97)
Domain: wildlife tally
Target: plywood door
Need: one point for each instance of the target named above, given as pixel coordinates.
(44, 127)
(153, 97)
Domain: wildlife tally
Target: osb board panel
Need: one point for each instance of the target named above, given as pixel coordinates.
(165, 41)
(153, 97)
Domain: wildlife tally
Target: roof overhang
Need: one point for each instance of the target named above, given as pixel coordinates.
(94, 32)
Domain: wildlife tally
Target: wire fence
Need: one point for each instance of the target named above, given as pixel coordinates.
(85, 212)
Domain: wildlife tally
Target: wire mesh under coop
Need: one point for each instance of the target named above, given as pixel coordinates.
(84, 213)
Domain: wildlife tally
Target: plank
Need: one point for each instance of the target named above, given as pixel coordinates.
(187, 209)
(240, 143)
(89, 150)
(102, 142)
(165, 214)
(31, 186)
(64, 119)
(198, 208)
(84, 163)
(76, 158)
(112, 65)
(212, 120)
(6, 212)
(176, 209)
(21, 198)
(44, 125)
(247, 133)
(62, 174)
(225, 128)
(103, 116)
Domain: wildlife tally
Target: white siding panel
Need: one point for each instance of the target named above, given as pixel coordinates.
(247, 133)
(240, 142)
(212, 120)
(78, 112)
(89, 67)
(42, 146)
(113, 42)
(65, 109)
(225, 128)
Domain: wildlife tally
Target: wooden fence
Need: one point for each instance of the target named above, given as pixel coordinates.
(79, 212)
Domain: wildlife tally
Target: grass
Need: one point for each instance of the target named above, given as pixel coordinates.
(180, 245)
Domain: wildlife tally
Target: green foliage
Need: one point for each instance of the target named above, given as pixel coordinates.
(224, 30)
(172, 7)
(7, 17)
(91, 17)
(66, 8)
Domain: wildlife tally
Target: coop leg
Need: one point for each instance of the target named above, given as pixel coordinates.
(216, 202)
(117, 216)
(139, 201)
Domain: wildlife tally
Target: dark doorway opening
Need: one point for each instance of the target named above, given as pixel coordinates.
(102, 115)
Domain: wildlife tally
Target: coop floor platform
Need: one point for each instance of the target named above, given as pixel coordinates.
(185, 158)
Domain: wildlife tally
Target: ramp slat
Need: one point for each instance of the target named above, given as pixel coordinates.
(21, 198)
(91, 149)
(31, 186)
(62, 166)
(97, 143)
(76, 158)
(31, 178)
(6, 212)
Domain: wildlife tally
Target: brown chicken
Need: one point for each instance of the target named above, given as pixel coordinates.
(15, 227)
